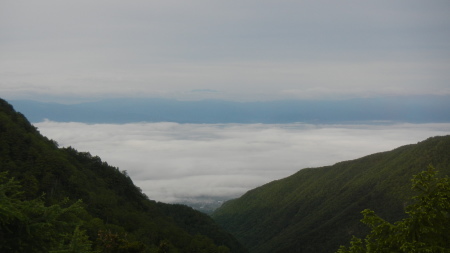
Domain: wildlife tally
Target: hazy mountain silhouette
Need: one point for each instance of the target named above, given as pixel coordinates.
(419, 109)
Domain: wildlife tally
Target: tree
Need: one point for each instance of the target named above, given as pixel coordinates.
(30, 226)
(426, 229)
(79, 243)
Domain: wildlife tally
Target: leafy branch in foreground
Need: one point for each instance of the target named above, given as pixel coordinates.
(29, 225)
(426, 229)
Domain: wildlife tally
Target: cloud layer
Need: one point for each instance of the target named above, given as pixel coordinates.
(244, 50)
(174, 162)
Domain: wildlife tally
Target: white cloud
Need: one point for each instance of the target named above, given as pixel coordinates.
(241, 81)
(174, 162)
(247, 50)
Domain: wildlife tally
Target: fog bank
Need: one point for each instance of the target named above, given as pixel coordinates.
(174, 162)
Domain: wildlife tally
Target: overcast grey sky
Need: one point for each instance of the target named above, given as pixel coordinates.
(174, 162)
(246, 50)
(54, 50)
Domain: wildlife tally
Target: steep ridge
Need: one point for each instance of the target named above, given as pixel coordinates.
(113, 203)
(318, 209)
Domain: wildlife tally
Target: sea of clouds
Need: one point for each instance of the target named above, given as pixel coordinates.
(174, 162)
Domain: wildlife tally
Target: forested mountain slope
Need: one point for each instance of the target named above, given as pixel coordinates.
(118, 217)
(318, 209)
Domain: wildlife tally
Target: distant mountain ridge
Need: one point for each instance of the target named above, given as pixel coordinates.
(318, 209)
(418, 109)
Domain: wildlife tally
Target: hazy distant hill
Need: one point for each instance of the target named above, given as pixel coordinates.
(420, 109)
(114, 205)
(318, 209)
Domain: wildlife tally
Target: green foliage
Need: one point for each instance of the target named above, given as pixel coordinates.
(196, 223)
(79, 243)
(318, 209)
(426, 229)
(29, 225)
(110, 242)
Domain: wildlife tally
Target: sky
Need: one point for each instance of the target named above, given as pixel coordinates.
(174, 162)
(246, 50)
(72, 51)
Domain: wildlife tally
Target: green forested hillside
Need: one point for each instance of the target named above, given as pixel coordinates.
(318, 209)
(314, 210)
(112, 216)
